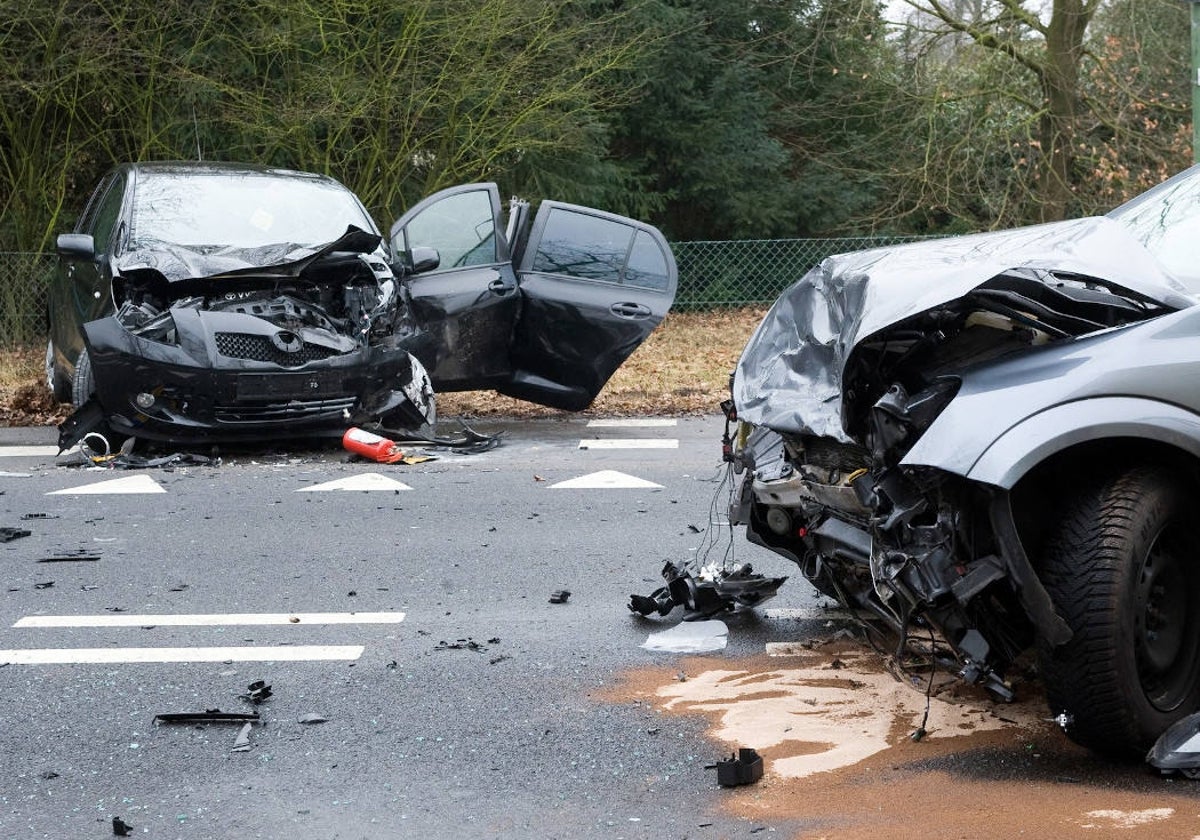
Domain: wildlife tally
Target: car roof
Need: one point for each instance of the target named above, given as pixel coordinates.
(192, 167)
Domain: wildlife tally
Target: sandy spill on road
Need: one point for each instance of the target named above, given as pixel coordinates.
(834, 729)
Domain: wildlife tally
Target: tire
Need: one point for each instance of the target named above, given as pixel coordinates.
(1123, 570)
(55, 381)
(82, 386)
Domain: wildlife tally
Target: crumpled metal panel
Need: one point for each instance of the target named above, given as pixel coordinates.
(790, 375)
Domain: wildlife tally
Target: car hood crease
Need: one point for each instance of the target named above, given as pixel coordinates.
(790, 375)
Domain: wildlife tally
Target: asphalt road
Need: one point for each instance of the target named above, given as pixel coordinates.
(481, 711)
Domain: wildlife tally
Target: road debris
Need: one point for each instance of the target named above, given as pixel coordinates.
(466, 644)
(69, 557)
(560, 596)
(207, 716)
(242, 742)
(257, 692)
(10, 534)
(744, 768)
(312, 718)
(706, 591)
(689, 637)
(120, 827)
(1177, 750)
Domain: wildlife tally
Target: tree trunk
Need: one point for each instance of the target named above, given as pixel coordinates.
(1060, 86)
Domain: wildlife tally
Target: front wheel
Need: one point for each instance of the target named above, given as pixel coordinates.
(1123, 570)
(82, 385)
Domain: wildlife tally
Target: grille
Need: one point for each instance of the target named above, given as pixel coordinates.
(258, 348)
(292, 410)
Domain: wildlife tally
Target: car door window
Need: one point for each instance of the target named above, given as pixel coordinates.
(105, 220)
(461, 227)
(595, 248)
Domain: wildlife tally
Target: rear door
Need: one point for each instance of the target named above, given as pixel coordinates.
(468, 304)
(593, 287)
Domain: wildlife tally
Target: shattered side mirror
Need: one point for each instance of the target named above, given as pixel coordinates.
(424, 259)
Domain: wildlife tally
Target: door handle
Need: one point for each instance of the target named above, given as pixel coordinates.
(500, 287)
(630, 310)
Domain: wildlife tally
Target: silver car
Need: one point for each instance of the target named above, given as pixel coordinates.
(997, 437)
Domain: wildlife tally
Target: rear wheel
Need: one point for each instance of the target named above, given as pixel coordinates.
(82, 386)
(1124, 572)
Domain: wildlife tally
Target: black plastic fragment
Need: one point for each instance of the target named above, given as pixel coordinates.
(120, 827)
(70, 558)
(258, 691)
(560, 596)
(706, 592)
(10, 534)
(208, 716)
(745, 768)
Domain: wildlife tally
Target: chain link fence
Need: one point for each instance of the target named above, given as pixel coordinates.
(711, 275)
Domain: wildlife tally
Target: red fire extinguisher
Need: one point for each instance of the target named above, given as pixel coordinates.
(370, 445)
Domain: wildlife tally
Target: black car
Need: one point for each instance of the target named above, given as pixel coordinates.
(204, 302)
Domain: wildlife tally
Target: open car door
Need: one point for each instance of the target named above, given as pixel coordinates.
(591, 286)
(466, 301)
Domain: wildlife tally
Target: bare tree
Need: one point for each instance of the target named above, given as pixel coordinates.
(1049, 45)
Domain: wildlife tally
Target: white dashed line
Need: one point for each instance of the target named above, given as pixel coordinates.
(207, 620)
(633, 423)
(629, 443)
(94, 656)
(27, 451)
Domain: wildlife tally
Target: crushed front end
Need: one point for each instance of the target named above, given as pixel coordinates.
(852, 369)
(303, 346)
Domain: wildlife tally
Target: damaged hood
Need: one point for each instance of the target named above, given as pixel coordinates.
(789, 377)
(177, 262)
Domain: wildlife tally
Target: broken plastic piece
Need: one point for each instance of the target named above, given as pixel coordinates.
(744, 769)
(560, 596)
(258, 691)
(313, 717)
(690, 637)
(207, 716)
(10, 534)
(242, 742)
(1177, 750)
(120, 827)
(706, 592)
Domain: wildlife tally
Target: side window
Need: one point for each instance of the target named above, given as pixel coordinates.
(593, 248)
(104, 220)
(647, 264)
(461, 227)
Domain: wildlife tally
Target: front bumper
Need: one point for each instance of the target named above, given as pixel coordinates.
(193, 392)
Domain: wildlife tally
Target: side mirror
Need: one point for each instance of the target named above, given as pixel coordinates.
(425, 259)
(76, 246)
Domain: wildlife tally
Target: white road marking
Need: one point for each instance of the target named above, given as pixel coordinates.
(27, 451)
(604, 480)
(633, 423)
(207, 620)
(129, 484)
(93, 656)
(366, 482)
(809, 614)
(629, 443)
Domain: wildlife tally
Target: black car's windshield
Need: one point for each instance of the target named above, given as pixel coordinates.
(1166, 219)
(241, 210)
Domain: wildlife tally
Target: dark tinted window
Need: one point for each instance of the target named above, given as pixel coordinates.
(647, 264)
(583, 246)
